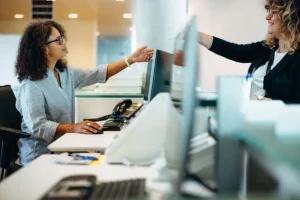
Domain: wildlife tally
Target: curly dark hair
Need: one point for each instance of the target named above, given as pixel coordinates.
(32, 57)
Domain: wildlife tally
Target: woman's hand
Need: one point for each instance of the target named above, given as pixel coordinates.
(265, 99)
(179, 58)
(87, 127)
(142, 54)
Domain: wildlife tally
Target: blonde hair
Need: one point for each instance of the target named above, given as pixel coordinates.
(288, 12)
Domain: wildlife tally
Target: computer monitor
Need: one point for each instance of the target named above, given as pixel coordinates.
(158, 74)
(189, 98)
(189, 153)
(147, 90)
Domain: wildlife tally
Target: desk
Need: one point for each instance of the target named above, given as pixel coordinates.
(40, 175)
(76, 142)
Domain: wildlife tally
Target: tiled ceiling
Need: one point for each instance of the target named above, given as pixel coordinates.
(107, 13)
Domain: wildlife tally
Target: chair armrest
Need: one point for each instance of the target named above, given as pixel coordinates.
(9, 132)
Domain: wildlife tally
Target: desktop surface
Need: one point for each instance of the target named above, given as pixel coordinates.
(76, 142)
(42, 173)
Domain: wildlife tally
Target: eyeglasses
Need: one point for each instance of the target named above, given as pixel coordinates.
(60, 40)
(272, 12)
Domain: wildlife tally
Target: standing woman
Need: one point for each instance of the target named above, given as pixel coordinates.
(275, 62)
(46, 98)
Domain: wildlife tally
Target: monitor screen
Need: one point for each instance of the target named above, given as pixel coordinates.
(158, 76)
(149, 78)
(187, 75)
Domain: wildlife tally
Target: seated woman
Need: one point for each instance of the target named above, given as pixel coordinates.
(46, 98)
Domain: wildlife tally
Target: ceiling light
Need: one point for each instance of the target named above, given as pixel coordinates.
(97, 33)
(120, 0)
(73, 15)
(19, 16)
(131, 28)
(127, 15)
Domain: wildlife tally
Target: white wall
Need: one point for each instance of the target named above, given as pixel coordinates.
(82, 42)
(157, 21)
(8, 54)
(238, 21)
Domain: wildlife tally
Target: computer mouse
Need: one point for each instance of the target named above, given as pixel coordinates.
(99, 132)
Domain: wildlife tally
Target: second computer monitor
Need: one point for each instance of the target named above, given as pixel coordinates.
(188, 99)
(158, 76)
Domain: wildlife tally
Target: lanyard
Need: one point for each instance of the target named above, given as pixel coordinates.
(271, 61)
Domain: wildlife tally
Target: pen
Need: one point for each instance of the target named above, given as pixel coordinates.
(81, 157)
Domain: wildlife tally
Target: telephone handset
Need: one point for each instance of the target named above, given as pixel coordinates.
(117, 112)
(121, 108)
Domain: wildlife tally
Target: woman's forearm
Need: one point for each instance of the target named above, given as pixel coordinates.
(116, 67)
(205, 40)
(64, 128)
(142, 54)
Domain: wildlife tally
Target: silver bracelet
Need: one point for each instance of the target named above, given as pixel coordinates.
(126, 61)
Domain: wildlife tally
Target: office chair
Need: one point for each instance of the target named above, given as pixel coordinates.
(10, 131)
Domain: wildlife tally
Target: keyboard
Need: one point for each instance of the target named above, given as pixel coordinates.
(134, 188)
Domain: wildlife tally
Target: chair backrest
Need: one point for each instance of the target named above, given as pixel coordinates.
(9, 115)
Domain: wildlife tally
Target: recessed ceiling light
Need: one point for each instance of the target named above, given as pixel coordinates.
(127, 15)
(19, 16)
(73, 15)
(97, 33)
(120, 0)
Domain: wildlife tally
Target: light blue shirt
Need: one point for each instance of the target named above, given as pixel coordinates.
(44, 105)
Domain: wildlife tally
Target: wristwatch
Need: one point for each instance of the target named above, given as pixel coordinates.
(260, 97)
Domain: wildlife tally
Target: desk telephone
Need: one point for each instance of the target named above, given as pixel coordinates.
(125, 109)
(121, 108)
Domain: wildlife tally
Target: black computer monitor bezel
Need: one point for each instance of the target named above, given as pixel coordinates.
(158, 76)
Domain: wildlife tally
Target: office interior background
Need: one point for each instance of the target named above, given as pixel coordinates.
(104, 31)
(107, 30)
